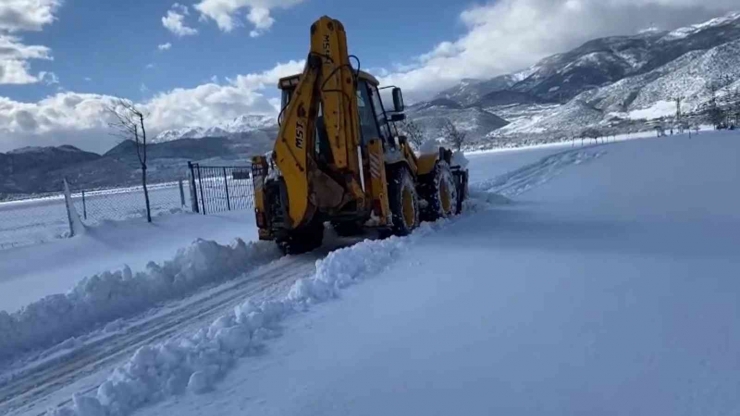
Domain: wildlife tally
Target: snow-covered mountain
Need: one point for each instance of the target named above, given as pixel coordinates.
(243, 124)
(473, 120)
(621, 80)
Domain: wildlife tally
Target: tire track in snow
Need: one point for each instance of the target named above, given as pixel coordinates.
(38, 383)
(533, 175)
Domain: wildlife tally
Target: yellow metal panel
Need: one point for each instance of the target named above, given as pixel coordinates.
(259, 170)
(258, 182)
(378, 181)
(295, 139)
(338, 92)
(425, 163)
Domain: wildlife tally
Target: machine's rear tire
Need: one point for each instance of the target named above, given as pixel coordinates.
(442, 198)
(404, 201)
(302, 240)
(461, 181)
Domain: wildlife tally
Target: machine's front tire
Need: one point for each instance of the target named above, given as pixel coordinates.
(302, 240)
(404, 201)
(442, 197)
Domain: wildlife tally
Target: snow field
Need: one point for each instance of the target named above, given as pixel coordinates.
(611, 289)
(115, 294)
(194, 363)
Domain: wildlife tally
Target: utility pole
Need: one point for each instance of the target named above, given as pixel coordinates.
(678, 113)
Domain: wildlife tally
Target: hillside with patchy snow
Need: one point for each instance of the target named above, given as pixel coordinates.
(616, 81)
(243, 124)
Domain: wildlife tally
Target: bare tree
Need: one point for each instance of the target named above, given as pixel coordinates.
(128, 124)
(591, 133)
(452, 134)
(734, 107)
(714, 111)
(413, 133)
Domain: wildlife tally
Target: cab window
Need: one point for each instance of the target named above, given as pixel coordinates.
(368, 122)
(380, 112)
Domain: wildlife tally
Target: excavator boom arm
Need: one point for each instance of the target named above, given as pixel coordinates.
(327, 83)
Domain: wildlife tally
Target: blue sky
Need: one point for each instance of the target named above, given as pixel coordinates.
(205, 62)
(111, 47)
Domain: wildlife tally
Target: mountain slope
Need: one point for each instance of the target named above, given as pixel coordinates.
(242, 124)
(27, 169)
(622, 79)
(474, 120)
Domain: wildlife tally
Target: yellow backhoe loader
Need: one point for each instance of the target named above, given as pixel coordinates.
(339, 157)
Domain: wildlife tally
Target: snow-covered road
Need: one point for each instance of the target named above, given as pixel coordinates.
(580, 281)
(48, 379)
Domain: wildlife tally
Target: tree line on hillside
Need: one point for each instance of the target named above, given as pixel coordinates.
(445, 130)
(723, 108)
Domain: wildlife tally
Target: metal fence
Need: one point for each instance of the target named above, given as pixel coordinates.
(220, 188)
(42, 218)
(38, 219)
(115, 204)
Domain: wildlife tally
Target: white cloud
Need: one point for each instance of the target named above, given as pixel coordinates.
(164, 46)
(88, 79)
(224, 13)
(149, 66)
(15, 72)
(174, 21)
(508, 35)
(211, 103)
(23, 15)
(261, 19)
(80, 119)
(48, 78)
(27, 15)
(14, 57)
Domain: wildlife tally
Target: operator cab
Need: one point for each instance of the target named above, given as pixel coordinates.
(375, 120)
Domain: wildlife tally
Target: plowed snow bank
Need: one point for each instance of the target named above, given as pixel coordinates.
(116, 294)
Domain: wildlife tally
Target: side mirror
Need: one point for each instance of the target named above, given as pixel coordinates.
(398, 117)
(398, 100)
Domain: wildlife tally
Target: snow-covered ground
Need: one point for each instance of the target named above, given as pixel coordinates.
(31, 272)
(580, 280)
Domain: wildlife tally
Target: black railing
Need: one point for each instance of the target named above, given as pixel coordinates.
(220, 188)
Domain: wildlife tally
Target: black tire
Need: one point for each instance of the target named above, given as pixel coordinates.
(348, 228)
(441, 193)
(462, 189)
(302, 240)
(404, 201)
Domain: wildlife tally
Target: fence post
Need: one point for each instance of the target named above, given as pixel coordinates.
(193, 190)
(200, 180)
(84, 205)
(75, 225)
(182, 193)
(226, 185)
(67, 203)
